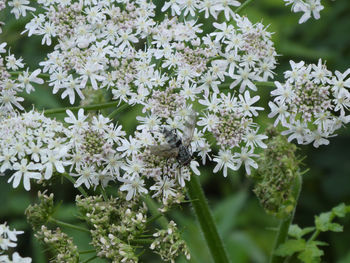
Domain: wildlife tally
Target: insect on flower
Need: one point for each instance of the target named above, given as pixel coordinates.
(176, 147)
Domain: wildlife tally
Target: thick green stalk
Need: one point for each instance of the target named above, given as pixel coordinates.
(206, 221)
(285, 223)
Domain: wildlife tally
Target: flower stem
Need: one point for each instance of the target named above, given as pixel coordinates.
(87, 251)
(243, 6)
(81, 189)
(206, 221)
(90, 259)
(41, 75)
(153, 208)
(88, 107)
(268, 84)
(60, 223)
(118, 110)
(285, 223)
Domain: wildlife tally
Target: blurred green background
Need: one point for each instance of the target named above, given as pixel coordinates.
(247, 231)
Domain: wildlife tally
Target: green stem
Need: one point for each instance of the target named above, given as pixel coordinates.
(41, 75)
(268, 84)
(314, 236)
(81, 190)
(104, 194)
(60, 223)
(87, 251)
(141, 242)
(206, 221)
(153, 218)
(90, 259)
(243, 6)
(153, 208)
(88, 107)
(118, 110)
(285, 223)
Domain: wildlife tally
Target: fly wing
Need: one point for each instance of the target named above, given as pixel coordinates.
(189, 128)
(164, 150)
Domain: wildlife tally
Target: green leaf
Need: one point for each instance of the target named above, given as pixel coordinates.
(340, 210)
(335, 227)
(290, 247)
(311, 253)
(297, 232)
(225, 212)
(323, 221)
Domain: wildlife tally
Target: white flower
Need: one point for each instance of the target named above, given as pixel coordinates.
(244, 158)
(54, 159)
(20, 7)
(281, 109)
(245, 77)
(16, 258)
(76, 123)
(165, 187)
(129, 147)
(2, 49)
(25, 170)
(126, 37)
(87, 176)
(133, 167)
(253, 139)
(224, 160)
(247, 103)
(209, 121)
(297, 131)
(25, 79)
(49, 31)
(13, 63)
(91, 71)
(133, 186)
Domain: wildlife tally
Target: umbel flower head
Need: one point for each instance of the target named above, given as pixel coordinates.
(312, 103)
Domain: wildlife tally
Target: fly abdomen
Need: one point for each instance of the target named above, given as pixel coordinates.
(184, 157)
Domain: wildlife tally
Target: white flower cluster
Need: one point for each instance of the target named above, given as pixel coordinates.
(10, 86)
(34, 147)
(308, 7)
(312, 104)
(165, 66)
(93, 157)
(31, 146)
(229, 120)
(8, 239)
(102, 44)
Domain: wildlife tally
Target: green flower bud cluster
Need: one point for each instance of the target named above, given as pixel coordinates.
(115, 224)
(275, 177)
(60, 244)
(39, 214)
(169, 244)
